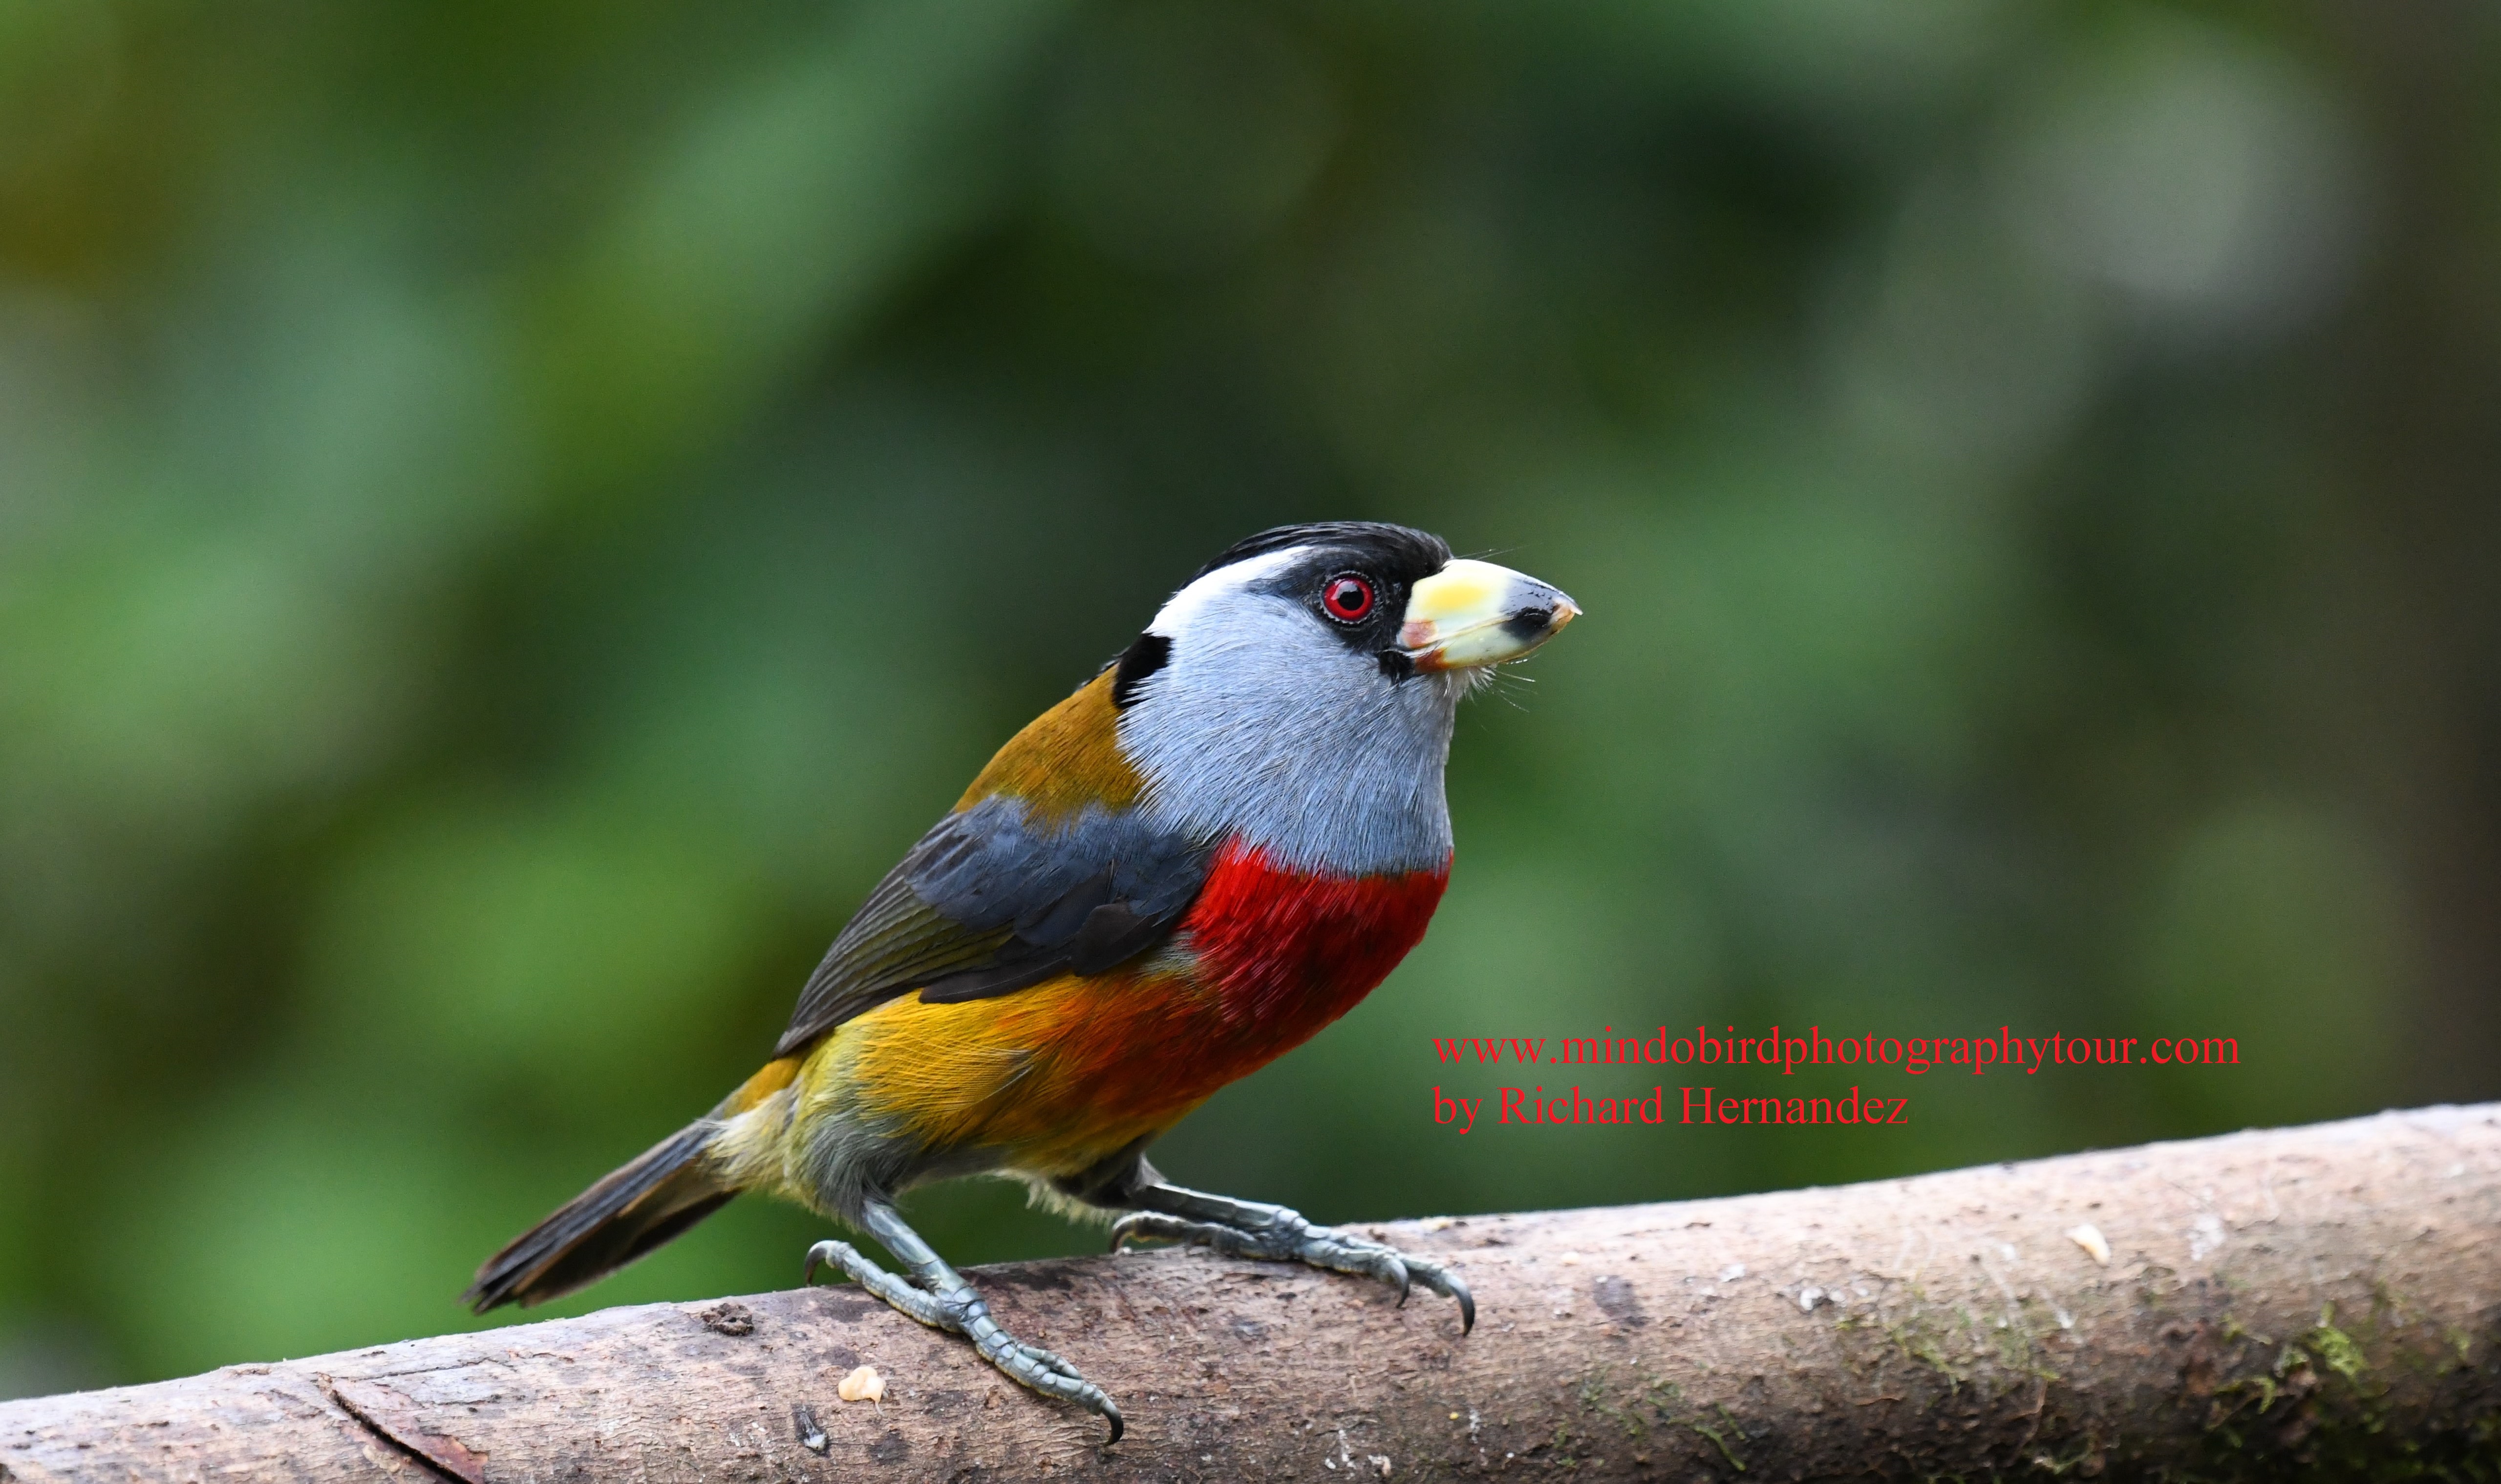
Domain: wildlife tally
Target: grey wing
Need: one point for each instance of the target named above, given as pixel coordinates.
(985, 903)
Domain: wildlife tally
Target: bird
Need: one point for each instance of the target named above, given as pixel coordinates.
(1208, 852)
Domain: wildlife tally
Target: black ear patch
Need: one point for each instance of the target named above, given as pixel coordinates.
(1151, 652)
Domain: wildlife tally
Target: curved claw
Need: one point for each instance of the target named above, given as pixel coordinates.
(821, 1255)
(1443, 1281)
(1112, 1415)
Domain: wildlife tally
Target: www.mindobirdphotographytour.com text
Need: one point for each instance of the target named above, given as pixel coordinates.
(1728, 1052)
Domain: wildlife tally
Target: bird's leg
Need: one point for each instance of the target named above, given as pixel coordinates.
(1252, 1229)
(939, 1296)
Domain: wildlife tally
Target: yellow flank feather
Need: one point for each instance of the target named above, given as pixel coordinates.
(1066, 758)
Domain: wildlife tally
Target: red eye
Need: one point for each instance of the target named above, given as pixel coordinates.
(1347, 598)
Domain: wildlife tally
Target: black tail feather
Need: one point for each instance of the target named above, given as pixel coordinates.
(631, 1212)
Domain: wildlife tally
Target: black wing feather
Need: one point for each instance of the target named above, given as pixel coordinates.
(987, 903)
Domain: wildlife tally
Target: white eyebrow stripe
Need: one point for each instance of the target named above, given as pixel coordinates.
(1184, 607)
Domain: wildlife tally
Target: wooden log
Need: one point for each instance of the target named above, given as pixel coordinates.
(2326, 1298)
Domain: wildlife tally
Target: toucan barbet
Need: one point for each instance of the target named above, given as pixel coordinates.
(1214, 849)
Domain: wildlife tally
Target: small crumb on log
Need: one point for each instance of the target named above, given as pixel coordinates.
(2089, 1237)
(863, 1384)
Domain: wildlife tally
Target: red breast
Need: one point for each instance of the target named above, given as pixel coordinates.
(1288, 951)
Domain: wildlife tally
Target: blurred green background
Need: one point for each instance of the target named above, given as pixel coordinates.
(513, 516)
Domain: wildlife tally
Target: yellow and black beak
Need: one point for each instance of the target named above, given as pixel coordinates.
(1472, 613)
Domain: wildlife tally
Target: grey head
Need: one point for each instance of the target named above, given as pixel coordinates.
(1298, 692)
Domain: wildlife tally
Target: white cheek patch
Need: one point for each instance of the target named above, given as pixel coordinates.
(1186, 605)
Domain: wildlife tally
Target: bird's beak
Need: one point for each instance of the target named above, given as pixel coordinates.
(1472, 613)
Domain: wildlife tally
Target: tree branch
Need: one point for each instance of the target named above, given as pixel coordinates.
(2327, 1297)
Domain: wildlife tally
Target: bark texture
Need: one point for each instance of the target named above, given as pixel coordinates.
(2317, 1302)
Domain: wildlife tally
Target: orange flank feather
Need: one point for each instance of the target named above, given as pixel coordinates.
(1066, 758)
(1066, 1072)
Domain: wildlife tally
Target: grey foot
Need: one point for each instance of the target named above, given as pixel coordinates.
(953, 1307)
(1279, 1235)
